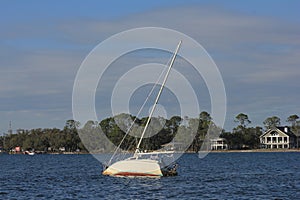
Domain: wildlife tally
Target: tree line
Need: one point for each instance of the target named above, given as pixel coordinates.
(45, 140)
(191, 131)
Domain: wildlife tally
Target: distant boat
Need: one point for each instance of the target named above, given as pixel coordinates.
(147, 164)
(31, 153)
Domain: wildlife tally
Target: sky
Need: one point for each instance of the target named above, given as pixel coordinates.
(255, 44)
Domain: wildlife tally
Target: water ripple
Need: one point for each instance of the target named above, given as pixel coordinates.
(217, 176)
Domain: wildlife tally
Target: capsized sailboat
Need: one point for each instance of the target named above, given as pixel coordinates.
(150, 163)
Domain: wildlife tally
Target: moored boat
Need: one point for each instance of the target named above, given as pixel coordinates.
(150, 164)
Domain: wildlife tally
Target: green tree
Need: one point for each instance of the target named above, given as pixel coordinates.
(71, 125)
(292, 119)
(251, 137)
(271, 122)
(205, 119)
(243, 137)
(242, 119)
(193, 124)
(112, 131)
(295, 127)
(174, 123)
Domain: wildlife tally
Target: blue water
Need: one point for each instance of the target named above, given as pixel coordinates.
(217, 176)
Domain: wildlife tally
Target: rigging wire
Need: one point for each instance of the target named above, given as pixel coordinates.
(140, 110)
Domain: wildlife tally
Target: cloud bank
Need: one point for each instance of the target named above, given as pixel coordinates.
(258, 57)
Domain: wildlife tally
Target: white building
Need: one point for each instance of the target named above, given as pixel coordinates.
(278, 138)
(218, 144)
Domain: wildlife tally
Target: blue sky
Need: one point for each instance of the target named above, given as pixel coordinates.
(255, 44)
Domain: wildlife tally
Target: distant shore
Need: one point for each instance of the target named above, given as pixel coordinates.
(255, 150)
(213, 151)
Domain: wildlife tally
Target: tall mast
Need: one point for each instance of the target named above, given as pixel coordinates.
(157, 98)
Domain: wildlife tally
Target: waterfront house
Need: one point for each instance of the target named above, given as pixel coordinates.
(218, 144)
(278, 138)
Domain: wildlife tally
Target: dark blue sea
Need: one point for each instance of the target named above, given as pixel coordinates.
(217, 176)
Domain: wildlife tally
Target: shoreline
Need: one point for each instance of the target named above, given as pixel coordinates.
(188, 152)
(255, 151)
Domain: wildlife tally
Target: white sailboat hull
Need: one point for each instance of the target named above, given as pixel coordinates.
(134, 167)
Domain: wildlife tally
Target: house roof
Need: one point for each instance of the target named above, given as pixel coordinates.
(283, 129)
(289, 132)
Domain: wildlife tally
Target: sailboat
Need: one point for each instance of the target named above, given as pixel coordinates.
(141, 163)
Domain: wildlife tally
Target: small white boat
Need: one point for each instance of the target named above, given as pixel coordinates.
(31, 153)
(144, 164)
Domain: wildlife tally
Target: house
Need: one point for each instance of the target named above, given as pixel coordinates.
(218, 144)
(278, 138)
